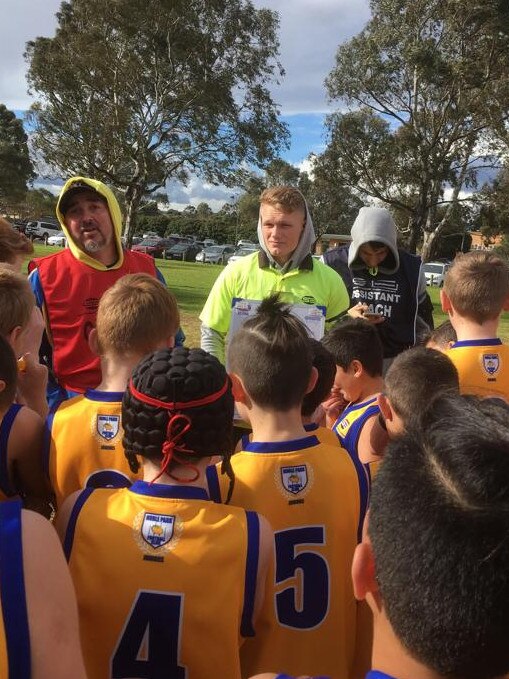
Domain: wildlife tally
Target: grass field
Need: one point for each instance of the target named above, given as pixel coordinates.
(191, 283)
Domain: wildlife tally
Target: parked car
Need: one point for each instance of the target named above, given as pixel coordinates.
(207, 242)
(151, 246)
(246, 243)
(215, 254)
(42, 230)
(58, 239)
(183, 251)
(435, 272)
(243, 252)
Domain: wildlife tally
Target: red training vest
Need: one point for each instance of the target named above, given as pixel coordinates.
(72, 291)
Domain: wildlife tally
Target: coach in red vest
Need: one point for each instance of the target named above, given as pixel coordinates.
(69, 284)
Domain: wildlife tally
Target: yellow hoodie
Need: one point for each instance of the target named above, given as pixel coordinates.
(116, 218)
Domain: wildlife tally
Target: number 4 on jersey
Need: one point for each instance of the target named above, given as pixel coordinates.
(150, 642)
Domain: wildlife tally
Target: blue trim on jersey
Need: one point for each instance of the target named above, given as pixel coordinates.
(253, 547)
(349, 443)
(244, 441)
(104, 396)
(213, 483)
(350, 440)
(312, 426)
(282, 446)
(287, 676)
(71, 526)
(172, 492)
(5, 431)
(363, 478)
(376, 674)
(493, 342)
(12, 588)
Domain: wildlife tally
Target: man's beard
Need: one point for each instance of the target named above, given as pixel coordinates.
(94, 245)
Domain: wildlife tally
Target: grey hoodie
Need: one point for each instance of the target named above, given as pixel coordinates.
(301, 251)
(374, 224)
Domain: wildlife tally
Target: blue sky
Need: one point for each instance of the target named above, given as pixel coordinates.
(310, 32)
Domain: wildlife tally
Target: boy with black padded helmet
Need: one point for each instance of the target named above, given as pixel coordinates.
(141, 558)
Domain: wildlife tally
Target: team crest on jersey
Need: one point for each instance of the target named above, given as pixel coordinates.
(295, 481)
(156, 533)
(107, 426)
(491, 363)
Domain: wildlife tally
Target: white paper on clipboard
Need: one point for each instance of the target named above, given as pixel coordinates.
(311, 315)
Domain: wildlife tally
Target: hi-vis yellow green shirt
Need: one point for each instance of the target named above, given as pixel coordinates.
(316, 284)
(165, 581)
(83, 444)
(483, 366)
(312, 496)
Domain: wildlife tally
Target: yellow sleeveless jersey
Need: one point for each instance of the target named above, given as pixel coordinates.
(314, 499)
(165, 581)
(348, 428)
(83, 444)
(14, 632)
(6, 489)
(323, 434)
(483, 366)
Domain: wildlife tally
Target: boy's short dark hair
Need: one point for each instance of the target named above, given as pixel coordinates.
(272, 356)
(178, 375)
(443, 335)
(8, 373)
(477, 285)
(324, 362)
(356, 339)
(415, 377)
(439, 526)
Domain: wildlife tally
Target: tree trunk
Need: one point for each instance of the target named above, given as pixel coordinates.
(133, 196)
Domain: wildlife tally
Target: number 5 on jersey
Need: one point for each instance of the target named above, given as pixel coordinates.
(305, 606)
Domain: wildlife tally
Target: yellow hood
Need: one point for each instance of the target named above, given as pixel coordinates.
(116, 219)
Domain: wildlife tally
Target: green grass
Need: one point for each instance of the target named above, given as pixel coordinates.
(191, 283)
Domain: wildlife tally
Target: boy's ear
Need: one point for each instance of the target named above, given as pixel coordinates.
(2, 385)
(313, 378)
(238, 391)
(385, 407)
(363, 571)
(93, 343)
(506, 305)
(13, 338)
(356, 367)
(445, 301)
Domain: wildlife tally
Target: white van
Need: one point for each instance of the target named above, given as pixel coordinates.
(435, 272)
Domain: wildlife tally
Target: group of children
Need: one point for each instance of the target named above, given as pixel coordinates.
(190, 561)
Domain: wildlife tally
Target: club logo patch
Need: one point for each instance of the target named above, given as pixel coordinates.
(156, 533)
(491, 363)
(107, 426)
(295, 481)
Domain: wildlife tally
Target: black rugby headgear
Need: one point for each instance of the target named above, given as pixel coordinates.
(178, 406)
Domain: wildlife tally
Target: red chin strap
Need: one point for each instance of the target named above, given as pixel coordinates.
(178, 426)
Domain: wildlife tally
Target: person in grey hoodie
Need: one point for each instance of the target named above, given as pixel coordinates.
(386, 284)
(284, 264)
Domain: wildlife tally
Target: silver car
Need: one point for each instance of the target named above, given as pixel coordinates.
(215, 254)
